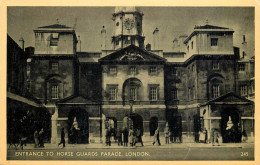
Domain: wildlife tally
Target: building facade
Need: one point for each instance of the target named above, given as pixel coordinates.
(129, 86)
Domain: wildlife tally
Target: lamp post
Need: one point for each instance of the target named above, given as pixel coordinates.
(131, 103)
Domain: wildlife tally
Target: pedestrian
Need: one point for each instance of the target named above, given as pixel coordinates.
(166, 133)
(125, 134)
(215, 137)
(62, 139)
(244, 136)
(119, 136)
(175, 134)
(41, 138)
(205, 132)
(108, 136)
(36, 139)
(139, 136)
(131, 137)
(156, 138)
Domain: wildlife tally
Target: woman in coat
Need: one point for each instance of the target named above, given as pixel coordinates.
(131, 137)
(36, 139)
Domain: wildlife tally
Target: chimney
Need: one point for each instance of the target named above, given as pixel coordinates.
(176, 46)
(244, 47)
(103, 38)
(148, 47)
(156, 39)
(22, 43)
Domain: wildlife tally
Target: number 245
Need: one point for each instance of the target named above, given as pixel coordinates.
(244, 154)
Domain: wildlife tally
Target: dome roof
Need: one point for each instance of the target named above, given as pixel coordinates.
(119, 9)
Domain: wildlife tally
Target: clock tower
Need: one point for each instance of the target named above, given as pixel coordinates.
(128, 27)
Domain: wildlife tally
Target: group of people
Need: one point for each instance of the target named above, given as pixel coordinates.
(123, 137)
(38, 138)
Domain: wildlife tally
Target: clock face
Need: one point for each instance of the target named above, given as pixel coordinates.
(129, 23)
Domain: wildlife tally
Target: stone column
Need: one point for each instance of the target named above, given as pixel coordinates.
(54, 133)
(103, 129)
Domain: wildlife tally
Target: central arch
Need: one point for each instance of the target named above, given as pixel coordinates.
(230, 128)
(134, 121)
(78, 126)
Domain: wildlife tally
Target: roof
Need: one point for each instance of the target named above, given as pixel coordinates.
(56, 26)
(229, 98)
(209, 27)
(132, 53)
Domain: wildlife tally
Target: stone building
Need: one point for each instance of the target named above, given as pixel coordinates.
(25, 113)
(189, 89)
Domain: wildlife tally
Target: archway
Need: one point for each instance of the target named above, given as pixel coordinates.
(134, 121)
(230, 128)
(78, 126)
(153, 125)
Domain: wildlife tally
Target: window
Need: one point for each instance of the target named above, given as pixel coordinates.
(54, 39)
(192, 45)
(215, 65)
(117, 24)
(214, 42)
(112, 70)
(117, 42)
(132, 70)
(112, 93)
(133, 93)
(153, 93)
(55, 66)
(215, 91)
(54, 92)
(241, 67)
(188, 48)
(174, 94)
(153, 69)
(243, 90)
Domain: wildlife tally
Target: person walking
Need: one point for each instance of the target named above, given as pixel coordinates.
(205, 132)
(41, 138)
(166, 133)
(62, 140)
(36, 139)
(119, 136)
(131, 137)
(125, 136)
(156, 138)
(108, 136)
(139, 136)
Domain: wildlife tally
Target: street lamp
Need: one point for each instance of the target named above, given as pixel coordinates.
(131, 103)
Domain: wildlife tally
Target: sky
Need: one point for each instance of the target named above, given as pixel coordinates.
(171, 22)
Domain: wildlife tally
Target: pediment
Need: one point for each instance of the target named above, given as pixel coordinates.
(230, 98)
(75, 100)
(132, 53)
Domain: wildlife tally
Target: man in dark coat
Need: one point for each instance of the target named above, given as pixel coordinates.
(108, 136)
(62, 140)
(119, 136)
(125, 134)
(139, 136)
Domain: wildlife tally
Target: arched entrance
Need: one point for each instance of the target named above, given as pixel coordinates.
(111, 123)
(134, 121)
(230, 125)
(78, 126)
(153, 125)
